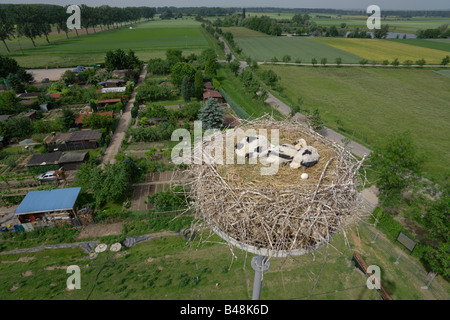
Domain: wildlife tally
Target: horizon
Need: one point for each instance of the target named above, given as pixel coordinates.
(354, 5)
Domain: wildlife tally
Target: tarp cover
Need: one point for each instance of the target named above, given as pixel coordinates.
(48, 200)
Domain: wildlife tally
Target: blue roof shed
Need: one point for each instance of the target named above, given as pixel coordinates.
(48, 201)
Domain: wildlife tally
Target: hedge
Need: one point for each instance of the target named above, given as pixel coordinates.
(236, 108)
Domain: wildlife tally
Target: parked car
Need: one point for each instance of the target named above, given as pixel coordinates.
(48, 176)
(78, 69)
(45, 80)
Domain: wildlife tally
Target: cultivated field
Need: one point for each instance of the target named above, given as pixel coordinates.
(371, 103)
(148, 40)
(380, 50)
(438, 44)
(305, 49)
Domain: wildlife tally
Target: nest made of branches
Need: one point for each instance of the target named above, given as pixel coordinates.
(277, 215)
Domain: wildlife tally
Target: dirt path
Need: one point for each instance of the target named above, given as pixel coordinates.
(355, 65)
(122, 127)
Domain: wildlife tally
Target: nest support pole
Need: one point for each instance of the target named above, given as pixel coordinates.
(260, 265)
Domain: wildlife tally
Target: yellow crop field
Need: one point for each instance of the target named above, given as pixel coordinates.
(380, 50)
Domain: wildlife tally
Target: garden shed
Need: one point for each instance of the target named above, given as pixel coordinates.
(46, 208)
(71, 160)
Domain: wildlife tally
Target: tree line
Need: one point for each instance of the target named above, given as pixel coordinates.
(37, 20)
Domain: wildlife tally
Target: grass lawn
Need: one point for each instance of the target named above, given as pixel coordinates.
(148, 40)
(234, 88)
(371, 103)
(265, 48)
(165, 268)
(379, 50)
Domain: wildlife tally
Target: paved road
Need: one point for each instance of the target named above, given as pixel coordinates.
(122, 126)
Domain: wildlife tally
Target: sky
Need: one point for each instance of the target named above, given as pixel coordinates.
(333, 4)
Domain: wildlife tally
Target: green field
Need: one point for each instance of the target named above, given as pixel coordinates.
(148, 40)
(396, 24)
(265, 48)
(380, 50)
(372, 103)
(438, 44)
(167, 268)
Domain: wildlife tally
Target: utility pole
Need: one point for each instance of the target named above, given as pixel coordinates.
(260, 265)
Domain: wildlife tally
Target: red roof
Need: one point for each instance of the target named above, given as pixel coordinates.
(55, 95)
(109, 101)
(211, 94)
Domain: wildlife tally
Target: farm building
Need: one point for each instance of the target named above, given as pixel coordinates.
(212, 94)
(77, 140)
(47, 208)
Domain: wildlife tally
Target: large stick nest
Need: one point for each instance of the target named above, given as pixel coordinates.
(278, 215)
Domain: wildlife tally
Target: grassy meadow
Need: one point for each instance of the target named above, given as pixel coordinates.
(438, 44)
(380, 50)
(148, 40)
(368, 104)
(305, 49)
(168, 268)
